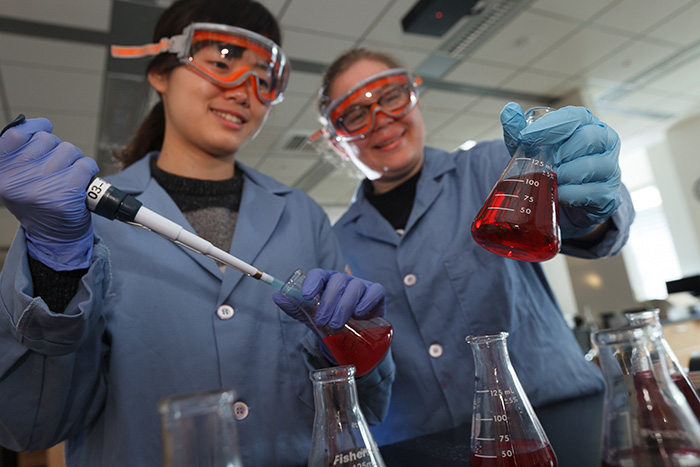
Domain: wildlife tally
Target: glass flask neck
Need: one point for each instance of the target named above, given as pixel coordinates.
(643, 317)
(534, 113)
(341, 436)
(490, 352)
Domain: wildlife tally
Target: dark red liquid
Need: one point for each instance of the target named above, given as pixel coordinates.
(643, 458)
(515, 454)
(519, 219)
(364, 349)
(689, 392)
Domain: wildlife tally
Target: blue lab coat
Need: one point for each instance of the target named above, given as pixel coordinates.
(152, 319)
(442, 286)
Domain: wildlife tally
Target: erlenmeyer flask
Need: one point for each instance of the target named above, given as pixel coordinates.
(199, 430)
(519, 218)
(646, 419)
(341, 436)
(678, 375)
(505, 429)
(361, 342)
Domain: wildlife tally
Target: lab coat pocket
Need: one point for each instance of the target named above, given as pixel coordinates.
(302, 356)
(481, 283)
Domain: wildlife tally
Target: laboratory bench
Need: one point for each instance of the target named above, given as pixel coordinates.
(572, 426)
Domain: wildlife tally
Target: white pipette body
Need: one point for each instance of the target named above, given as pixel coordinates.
(110, 202)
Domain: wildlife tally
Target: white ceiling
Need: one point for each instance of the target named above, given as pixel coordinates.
(636, 63)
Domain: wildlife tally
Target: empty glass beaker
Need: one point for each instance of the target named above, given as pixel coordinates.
(199, 430)
(678, 375)
(341, 436)
(519, 218)
(505, 429)
(646, 419)
(361, 342)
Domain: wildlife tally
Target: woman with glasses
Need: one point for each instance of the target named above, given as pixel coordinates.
(99, 320)
(408, 228)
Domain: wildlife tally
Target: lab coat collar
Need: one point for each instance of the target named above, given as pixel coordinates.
(367, 220)
(260, 209)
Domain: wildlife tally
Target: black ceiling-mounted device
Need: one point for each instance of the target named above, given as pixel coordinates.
(436, 17)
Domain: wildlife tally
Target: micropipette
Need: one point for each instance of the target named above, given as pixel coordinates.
(108, 201)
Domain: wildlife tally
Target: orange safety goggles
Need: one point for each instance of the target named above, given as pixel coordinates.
(352, 115)
(225, 55)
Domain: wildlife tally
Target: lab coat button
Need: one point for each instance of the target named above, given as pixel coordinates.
(240, 410)
(410, 279)
(225, 312)
(435, 350)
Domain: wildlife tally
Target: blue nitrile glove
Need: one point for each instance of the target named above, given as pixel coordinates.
(586, 153)
(42, 183)
(341, 296)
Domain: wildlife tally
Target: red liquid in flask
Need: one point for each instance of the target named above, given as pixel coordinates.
(643, 380)
(519, 219)
(689, 392)
(515, 454)
(363, 349)
(639, 457)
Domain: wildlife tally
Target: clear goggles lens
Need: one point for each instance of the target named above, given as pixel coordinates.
(352, 115)
(226, 55)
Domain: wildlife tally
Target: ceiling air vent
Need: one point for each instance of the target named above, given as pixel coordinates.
(295, 143)
(488, 19)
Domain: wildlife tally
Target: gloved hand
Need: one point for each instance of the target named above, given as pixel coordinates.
(586, 153)
(342, 296)
(42, 183)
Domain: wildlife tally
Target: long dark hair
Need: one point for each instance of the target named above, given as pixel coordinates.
(247, 14)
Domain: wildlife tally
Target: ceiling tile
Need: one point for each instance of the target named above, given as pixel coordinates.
(636, 16)
(682, 28)
(304, 83)
(629, 62)
(283, 114)
(437, 99)
(70, 91)
(83, 14)
(80, 130)
(580, 11)
(679, 78)
(436, 119)
(479, 73)
(464, 127)
(274, 6)
(409, 59)
(51, 53)
(308, 118)
(524, 39)
(333, 16)
(389, 30)
(535, 82)
(579, 51)
(315, 47)
(287, 168)
(337, 188)
(254, 152)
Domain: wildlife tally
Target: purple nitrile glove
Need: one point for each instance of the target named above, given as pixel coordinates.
(42, 183)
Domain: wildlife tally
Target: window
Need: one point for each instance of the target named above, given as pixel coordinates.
(650, 254)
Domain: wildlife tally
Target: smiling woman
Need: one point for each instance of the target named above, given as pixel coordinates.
(120, 318)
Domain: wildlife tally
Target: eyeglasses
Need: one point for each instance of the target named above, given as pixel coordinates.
(225, 55)
(352, 115)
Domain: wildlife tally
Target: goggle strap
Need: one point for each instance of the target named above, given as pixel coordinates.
(173, 44)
